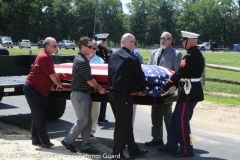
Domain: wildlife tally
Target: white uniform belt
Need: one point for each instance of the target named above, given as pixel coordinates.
(195, 79)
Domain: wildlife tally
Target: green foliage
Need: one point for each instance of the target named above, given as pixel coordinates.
(112, 19)
(214, 20)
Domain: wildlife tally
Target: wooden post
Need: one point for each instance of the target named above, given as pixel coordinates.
(30, 52)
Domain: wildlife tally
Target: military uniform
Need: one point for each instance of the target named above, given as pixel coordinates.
(191, 67)
(104, 53)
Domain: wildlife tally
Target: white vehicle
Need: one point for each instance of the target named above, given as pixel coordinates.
(204, 46)
(25, 44)
(7, 42)
(66, 44)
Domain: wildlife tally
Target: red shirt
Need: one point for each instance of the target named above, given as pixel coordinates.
(39, 74)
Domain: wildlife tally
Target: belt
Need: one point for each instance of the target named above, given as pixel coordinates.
(85, 91)
(118, 91)
(195, 79)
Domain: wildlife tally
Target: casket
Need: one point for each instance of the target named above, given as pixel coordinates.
(156, 77)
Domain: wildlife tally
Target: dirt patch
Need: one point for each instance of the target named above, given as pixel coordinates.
(215, 115)
(15, 144)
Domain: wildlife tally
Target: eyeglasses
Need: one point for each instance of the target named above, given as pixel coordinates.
(55, 46)
(90, 47)
(164, 38)
(94, 48)
(134, 42)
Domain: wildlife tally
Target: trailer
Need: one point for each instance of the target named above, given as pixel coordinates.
(13, 73)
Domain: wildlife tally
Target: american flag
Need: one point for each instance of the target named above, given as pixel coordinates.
(156, 76)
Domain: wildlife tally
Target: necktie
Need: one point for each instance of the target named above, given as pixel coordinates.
(159, 57)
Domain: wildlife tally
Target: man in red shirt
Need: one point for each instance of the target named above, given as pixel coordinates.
(40, 80)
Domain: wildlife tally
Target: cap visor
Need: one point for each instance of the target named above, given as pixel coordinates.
(183, 38)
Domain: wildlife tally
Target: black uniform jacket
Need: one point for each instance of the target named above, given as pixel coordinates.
(191, 66)
(124, 72)
(104, 53)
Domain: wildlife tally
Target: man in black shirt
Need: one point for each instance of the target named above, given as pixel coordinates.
(125, 76)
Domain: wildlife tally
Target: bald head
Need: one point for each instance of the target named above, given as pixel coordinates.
(169, 35)
(128, 41)
(48, 40)
(50, 45)
(165, 40)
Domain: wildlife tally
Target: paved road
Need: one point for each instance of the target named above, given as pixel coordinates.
(209, 144)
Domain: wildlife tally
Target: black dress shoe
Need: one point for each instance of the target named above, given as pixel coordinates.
(102, 120)
(92, 136)
(164, 150)
(48, 145)
(138, 154)
(182, 155)
(151, 143)
(69, 147)
(37, 142)
(90, 151)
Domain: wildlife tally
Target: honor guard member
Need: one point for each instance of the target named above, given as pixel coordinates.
(190, 92)
(104, 53)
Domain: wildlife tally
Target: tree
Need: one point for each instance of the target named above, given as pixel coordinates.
(112, 19)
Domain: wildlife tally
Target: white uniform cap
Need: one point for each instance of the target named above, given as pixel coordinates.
(188, 35)
(102, 36)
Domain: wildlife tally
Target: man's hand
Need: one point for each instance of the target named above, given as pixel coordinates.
(167, 85)
(142, 93)
(59, 87)
(134, 94)
(101, 91)
(52, 88)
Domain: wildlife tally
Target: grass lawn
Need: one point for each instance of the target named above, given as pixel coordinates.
(25, 51)
(222, 74)
(220, 99)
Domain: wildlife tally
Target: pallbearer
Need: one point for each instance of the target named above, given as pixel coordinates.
(188, 75)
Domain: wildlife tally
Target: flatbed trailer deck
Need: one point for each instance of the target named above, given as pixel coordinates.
(20, 67)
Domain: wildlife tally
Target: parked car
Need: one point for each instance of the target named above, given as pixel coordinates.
(25, 44)
(7, 42)
(67, 44)
(40, 44)
(2, 37)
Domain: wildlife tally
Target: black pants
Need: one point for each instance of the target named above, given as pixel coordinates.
(37, 103)
(122, 107)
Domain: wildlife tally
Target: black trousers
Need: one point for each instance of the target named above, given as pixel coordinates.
(122, 106)
(37, 103)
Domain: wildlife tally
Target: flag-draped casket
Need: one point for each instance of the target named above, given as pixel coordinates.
(156, 76)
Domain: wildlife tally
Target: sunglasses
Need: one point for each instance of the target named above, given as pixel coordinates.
(134, 42)
(90, 47)
(55, 46)
(164, 38)
(94, 48)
